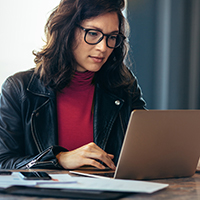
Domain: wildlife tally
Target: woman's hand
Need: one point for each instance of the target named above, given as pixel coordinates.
(85, 155)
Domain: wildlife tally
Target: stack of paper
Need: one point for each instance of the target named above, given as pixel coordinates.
(114, 185)
(65, 181)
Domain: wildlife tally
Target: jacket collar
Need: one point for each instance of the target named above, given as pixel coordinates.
(36, 87)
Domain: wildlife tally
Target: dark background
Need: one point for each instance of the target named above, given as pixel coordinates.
(165, 51)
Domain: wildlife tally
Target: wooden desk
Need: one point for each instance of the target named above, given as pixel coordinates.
(181, 188)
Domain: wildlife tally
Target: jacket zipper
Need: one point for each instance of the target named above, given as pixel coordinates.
(34, 162)
(32, 130)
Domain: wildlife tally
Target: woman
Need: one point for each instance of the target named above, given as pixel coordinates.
(72, 109)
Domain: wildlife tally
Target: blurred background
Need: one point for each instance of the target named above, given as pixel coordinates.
(164, 46)
(21, 31)
(165, 51)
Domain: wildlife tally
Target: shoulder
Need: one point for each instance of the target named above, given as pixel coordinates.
(22, 77)
(17, 83)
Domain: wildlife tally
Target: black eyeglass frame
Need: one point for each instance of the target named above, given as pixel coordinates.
(101, 38)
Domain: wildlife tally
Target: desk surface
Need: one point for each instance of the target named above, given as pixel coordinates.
(180, 188)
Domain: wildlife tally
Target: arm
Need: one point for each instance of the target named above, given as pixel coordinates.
(11, 133)
(15, 139)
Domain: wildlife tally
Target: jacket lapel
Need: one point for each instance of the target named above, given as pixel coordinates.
(107, 106)
(36, 87)
(44, 115)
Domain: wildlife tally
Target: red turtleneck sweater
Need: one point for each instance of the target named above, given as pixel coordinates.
(74, 109)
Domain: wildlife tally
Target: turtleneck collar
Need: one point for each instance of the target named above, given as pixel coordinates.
(81, 80)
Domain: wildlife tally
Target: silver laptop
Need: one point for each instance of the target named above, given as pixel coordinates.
(159, 144)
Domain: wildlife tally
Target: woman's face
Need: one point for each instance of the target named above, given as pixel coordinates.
(92, 57)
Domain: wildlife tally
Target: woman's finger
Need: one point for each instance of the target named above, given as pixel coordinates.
(86, 155)
(92, 151)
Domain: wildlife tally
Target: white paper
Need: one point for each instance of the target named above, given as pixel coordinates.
(115, 185)
(65, 181)
(15, 179)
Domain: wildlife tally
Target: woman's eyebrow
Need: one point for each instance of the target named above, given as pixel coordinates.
(99, 29)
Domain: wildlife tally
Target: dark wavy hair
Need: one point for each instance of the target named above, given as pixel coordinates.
(55, 62)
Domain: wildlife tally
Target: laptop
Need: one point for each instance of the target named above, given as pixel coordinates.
(160, 144)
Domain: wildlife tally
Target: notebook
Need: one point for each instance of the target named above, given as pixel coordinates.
(160, 144)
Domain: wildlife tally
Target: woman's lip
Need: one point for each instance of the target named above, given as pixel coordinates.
(97, 59)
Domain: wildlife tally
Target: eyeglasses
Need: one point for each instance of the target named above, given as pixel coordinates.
(93, 36)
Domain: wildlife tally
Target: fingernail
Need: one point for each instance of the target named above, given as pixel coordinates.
(112, 166)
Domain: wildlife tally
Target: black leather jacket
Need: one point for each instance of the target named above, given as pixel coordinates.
(28, 122)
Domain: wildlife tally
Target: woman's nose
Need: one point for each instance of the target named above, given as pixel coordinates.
(102, 45)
